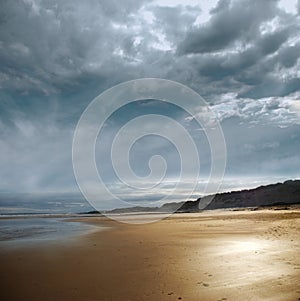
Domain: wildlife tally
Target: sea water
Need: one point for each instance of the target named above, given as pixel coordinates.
(32, 230)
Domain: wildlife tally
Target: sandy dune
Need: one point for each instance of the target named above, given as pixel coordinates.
(209, 256)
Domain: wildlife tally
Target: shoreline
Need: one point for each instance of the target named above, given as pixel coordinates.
(237, 255)
(32, 231)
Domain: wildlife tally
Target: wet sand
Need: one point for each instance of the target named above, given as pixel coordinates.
(248, 255)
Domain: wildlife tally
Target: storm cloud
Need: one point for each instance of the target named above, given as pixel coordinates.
(242, 56)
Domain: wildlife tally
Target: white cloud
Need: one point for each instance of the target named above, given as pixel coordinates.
(271, 110)
(295, 107)
(290, 6)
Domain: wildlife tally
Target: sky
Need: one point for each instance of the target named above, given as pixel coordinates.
(241, 56)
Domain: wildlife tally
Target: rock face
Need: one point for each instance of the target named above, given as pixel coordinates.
(275, 194)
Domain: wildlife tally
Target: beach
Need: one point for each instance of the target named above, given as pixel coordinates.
(214, 255)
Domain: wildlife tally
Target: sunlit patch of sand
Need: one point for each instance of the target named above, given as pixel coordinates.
(241, 258)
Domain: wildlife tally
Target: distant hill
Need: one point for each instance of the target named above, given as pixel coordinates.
(286, 193)
(168, 207)
(279, 194)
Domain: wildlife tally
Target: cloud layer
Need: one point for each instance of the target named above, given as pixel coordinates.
(242, 56)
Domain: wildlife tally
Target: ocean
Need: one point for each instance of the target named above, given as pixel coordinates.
(16, 231)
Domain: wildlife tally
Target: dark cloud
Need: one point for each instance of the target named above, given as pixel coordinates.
(234, 45)
(289, 55)
(64, 47)
(272, 87)
(269, 43)
(230, 22)
(50, 46)
(175, 21)
(254, 66)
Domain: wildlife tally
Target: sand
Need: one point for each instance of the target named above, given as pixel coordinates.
(249, 255)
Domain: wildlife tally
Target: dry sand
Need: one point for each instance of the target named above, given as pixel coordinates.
(209, 256)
